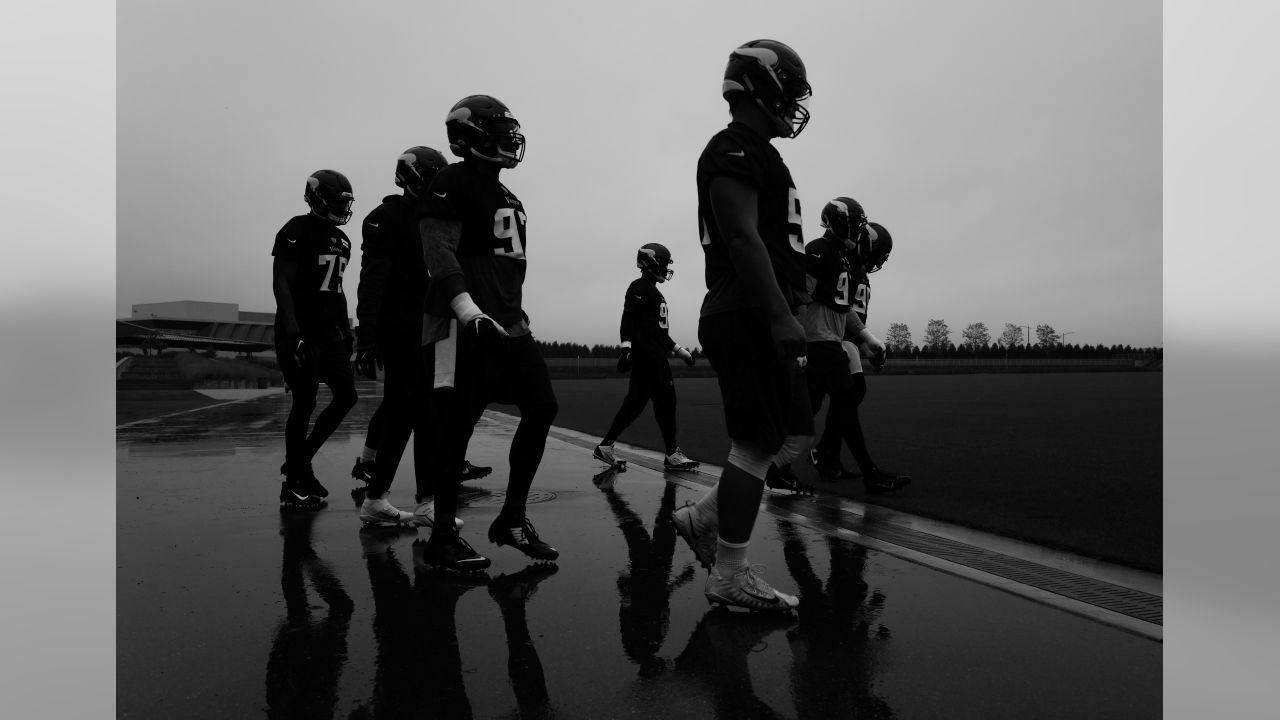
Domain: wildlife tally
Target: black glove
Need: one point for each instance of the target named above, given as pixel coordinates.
(368, 361)
(486, 332)
(624, 360)
(300, 350)
(878, 360)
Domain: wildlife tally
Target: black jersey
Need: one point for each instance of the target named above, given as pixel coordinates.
(321, 251)
(739, 152)
(489, 261)
(831, 274)
(861, 285)
(393, 276)
(644, 320)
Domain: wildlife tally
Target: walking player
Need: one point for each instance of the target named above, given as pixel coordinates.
(478, 347)
(312, 333)
(755, 272)
(646, 342)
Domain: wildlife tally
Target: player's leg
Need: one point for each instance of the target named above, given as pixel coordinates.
(303, 382)
(336, 372)
(363, 469)
(662, 388)
(874, 478)
(401, 368)
(757, 391)
(452, 371)
(632, 405)
(524, 382)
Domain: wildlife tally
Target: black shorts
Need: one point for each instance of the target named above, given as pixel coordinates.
(514, 373)
(827, 371)
(651, 378)
(765, 399)
(330, 364)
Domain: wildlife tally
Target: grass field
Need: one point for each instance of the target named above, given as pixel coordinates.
(1071, 460)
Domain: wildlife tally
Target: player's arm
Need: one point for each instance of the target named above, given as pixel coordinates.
(627, 329)
(375, 274)
(734, 203)
(440, 239)
(859, 333)
(284, 274)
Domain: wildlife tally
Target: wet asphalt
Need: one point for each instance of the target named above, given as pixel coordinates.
(229, 607)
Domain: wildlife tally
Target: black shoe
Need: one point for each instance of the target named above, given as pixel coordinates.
(474, 472)
(449, 550)
(782, 478)
(296, 497)
(878, 481)
(522, 537)
(363, 470)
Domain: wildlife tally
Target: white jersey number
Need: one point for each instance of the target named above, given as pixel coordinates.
(508, 227)
(335, 265)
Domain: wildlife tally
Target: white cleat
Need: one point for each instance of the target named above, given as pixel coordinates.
(745, 588)
(679, 461)
(425, 516)
(604, 453)
(377, 511)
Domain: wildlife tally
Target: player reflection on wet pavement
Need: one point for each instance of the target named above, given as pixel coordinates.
(836, 644)
(418, 655)
(716, 655)
(307, 653)
(644, 592)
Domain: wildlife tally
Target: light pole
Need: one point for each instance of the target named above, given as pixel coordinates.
(1063, 337)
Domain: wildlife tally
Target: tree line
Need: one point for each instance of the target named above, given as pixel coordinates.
(976, 341)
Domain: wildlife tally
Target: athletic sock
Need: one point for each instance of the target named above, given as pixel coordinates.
(730, 557)
(707, 510)
(369, 454)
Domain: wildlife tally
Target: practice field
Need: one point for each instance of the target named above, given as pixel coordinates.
(1071, 461)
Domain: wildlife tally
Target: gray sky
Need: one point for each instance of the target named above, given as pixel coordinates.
(1012, 148)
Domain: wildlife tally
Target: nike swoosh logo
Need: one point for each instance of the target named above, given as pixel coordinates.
(372, 224)
(438, 194)
(737, 153)
(639, 297)
(300, 497)
(291, 240)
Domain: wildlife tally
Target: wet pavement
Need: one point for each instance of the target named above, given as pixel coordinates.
(228, 607)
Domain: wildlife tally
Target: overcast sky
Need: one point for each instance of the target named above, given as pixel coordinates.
(1013, 148)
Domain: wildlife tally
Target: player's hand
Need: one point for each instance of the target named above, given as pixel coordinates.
(302, 352)
(624, 360)
(686, 356)
(878, 360)
(486, 332)
(788, 338)
(368, 360)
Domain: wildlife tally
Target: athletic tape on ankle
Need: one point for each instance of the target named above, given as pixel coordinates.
(792, 447)
(749, 460)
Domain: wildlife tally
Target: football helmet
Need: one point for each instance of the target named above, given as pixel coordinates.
(481, 126)
(654, 260)
(879, 245)
(416, 166)
(844, 218)
(773, 75)
(328, 193)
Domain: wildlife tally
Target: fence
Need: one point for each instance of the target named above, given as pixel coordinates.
(607, 367)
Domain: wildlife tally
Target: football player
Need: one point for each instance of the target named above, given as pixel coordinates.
(313, 336)
(749, 223)
(393, 286)
(477, 344)
(646, 342)
(867, 252)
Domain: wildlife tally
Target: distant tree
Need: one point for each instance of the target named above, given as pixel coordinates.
(899, 338)
(1012, 335)
(976, 336)
(1046, 336)
(937, 336)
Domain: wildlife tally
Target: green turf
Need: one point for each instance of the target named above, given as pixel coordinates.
(1072, 460)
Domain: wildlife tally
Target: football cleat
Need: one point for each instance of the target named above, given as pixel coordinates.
(425, 516)
(449, 550)
(297, 498)
(745, 588)
(377, 511)
(701, 540)
(523, 538)
(605, 478)
(474, 472)
(678, 461)
(604, 453)
(782, 478)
